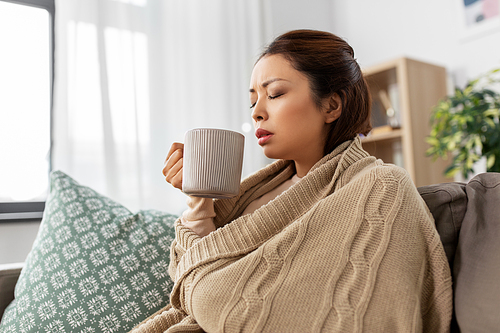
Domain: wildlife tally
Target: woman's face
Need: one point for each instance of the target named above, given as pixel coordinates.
(289, 124)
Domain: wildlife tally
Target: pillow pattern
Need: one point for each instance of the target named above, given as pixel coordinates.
(94, 266)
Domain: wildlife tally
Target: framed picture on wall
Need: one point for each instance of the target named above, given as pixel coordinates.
(477, 17)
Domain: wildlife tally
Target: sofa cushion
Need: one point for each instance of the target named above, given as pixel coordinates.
(94, 266)
(476, 270)
(447, 203)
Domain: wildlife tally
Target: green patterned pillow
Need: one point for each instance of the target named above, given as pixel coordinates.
(94, 266)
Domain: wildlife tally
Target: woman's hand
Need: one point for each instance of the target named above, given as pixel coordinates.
(172, 169)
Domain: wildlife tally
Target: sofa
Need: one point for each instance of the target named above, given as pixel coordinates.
(467, 218)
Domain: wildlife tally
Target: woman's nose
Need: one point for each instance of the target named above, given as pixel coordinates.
(259, 112)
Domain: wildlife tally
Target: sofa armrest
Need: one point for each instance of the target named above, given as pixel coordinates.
(9, 273)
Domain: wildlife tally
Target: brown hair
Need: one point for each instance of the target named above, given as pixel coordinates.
(328, 62)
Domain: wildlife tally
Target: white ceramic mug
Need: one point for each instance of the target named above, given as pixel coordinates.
(213, 160)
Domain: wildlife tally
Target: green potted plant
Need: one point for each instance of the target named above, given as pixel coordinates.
(466, 126)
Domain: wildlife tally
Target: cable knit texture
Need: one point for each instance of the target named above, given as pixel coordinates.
(351, 247)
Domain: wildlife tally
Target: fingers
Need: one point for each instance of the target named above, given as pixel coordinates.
(175, 146)
(172, 169)
(174, 174)
(176, 152)
(172, 160)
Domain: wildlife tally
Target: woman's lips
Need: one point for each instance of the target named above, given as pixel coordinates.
(263, 136)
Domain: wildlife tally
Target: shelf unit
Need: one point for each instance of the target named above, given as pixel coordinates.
(419, 88)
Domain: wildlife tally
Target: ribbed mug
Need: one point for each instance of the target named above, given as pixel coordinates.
(213, 160)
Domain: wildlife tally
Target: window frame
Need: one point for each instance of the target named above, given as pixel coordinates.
(20, 211)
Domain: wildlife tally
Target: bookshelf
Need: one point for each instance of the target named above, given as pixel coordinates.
(411, 88)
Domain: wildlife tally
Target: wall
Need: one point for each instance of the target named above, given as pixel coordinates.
(427, 30)
(296, 14)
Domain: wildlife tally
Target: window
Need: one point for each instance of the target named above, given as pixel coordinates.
(26, 64)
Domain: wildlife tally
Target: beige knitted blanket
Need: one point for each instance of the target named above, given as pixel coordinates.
(350, 248)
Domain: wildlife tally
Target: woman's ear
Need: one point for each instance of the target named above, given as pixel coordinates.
(334, 109)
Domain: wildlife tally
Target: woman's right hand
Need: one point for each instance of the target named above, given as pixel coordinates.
(172, 168)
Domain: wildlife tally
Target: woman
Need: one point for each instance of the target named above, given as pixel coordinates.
(325, 239)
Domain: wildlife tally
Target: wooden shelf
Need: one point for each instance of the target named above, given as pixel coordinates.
(413, 88)
(394, 134)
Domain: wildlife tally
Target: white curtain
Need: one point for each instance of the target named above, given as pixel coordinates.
(132, 76)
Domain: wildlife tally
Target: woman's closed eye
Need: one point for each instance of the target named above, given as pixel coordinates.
(269, 97)
(274, 96)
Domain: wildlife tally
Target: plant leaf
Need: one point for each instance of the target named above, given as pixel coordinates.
(490, 122)
(490, 162)
(491, 113)
(465, 125)
(451, 171)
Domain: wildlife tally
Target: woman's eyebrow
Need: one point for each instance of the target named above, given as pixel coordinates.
(268, 82)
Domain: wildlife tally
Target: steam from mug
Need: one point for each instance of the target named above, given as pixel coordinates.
(213, 159)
